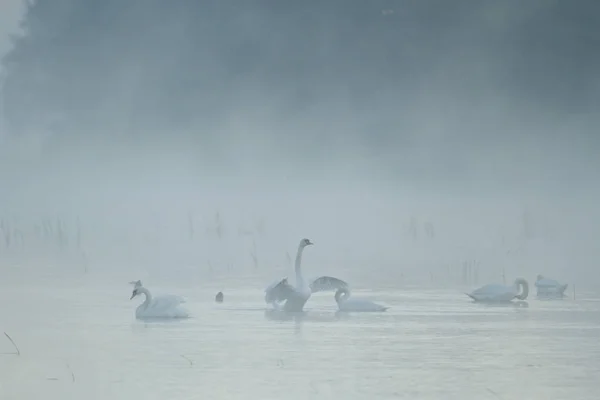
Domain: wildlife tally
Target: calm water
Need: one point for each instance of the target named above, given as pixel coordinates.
(83, 342)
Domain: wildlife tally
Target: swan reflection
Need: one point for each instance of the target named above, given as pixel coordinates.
(302, 316)
(509, 304)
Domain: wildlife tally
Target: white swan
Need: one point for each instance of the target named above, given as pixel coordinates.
(496, 293)
(296, 297)
(352, 304)
(549, 288)
(164, 306)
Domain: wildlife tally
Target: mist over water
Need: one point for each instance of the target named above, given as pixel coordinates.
(193, 144)
(341, 124)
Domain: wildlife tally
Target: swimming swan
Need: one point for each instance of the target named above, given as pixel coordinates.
(352, 304)
(549, 288)
(495, 293)
(164, 306)
(296, 297)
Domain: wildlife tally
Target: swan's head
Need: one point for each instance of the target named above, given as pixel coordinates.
(305, 242)
(540, 277)
(342, 294)
(135, 292)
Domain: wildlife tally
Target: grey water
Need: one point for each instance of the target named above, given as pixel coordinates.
(80, 340)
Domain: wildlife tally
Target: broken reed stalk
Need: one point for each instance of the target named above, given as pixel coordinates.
(78, 233)
(187, 359)
(71, 371)
(13, 343)
(253, 254)
(191, 228)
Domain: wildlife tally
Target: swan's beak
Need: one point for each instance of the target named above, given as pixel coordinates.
(309, 243)
(132, 295)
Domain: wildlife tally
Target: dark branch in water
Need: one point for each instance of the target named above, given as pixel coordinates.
(14, 344)
(188, 360)
(494, 393)
(71, 371)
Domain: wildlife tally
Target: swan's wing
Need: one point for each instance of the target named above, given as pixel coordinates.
(327, 283)
(136, 284)
(272, 285)
(547, 283)
(271, 293)
(491, 290)
(279, 292)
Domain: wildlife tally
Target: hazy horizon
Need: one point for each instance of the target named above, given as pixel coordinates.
(347, 126)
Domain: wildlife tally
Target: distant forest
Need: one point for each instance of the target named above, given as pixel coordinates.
(171, 63)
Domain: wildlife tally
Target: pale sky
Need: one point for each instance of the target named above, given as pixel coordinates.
(10, 14)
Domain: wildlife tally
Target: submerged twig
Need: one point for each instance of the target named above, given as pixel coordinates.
(191, 228)
(188, 360)
(13, 342)
(253, 254)
(85, 262)
(71, 371)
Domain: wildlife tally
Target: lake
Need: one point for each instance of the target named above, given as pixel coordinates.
(80, 340)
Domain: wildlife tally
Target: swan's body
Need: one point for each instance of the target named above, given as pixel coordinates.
(549, 288)
(164, 306)
(352, 304)
(496, 293)
(295, 297)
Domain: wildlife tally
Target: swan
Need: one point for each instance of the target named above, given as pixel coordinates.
(348, 304)
(295, 297)
(549, 288)
(501, 293)
(164, 306)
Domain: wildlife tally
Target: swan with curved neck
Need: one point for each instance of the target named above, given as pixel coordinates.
(295, 297)
(549, 288)
(165, 306)
(496, 293)
(350, 304)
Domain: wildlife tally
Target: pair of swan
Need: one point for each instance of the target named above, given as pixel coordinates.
(495, 293)
(164, 306)
(284, 296)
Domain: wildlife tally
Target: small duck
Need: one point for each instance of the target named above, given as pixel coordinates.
(219, 297)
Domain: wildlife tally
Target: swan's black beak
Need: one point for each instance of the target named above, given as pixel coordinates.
(309, 243)
(133, 294)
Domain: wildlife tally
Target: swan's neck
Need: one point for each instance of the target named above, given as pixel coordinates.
(341, 295)
(146, 292)
(298, 269)
(522, 289)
